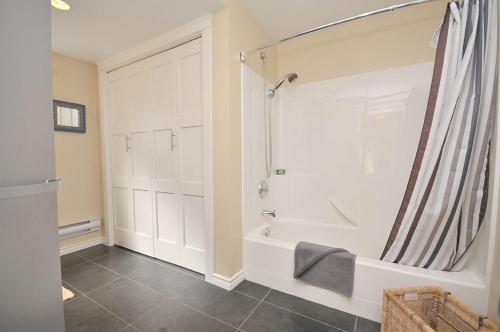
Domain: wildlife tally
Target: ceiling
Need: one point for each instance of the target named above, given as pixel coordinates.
(286, 17)
(95, 29)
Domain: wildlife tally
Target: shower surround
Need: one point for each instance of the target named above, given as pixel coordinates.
(347, 146)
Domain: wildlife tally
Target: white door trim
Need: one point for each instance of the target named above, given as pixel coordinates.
(200, 27)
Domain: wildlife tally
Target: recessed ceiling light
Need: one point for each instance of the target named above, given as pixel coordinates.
(60, 4)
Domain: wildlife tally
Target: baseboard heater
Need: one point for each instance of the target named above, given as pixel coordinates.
(79, 228)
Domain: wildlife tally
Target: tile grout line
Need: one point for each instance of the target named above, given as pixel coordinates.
(93, 301)
(144, 314)
(136, 328)
(75, 295)
(286, 309)
(278, 306)
(356, 324)
(106, 284)
(139, 269)
(150, 259)
(119, 273)
(250, 296)
(267, 294)
(123, 329)
(87, 260)
(253, 310)
(109, 269)
(178, 270)
(72, 266)
(114, 249)
(116, 272)
(91, 259)
(122, 276)
(124, 251)
(297, 313)
(159, 263)
(103, 285)
(111, 312)
(179, 302)
(203, 313)
(160, 293)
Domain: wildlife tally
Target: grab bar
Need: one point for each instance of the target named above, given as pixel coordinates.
(31, 189)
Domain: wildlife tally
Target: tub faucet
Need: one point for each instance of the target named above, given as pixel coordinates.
(271, 213)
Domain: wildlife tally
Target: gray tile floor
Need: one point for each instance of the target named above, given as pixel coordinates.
(119, 290)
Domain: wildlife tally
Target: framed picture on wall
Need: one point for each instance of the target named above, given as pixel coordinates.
(69, 117)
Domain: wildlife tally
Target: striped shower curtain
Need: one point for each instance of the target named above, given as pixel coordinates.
(445, 199)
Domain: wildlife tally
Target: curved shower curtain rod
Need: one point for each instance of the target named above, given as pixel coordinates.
(244, 54)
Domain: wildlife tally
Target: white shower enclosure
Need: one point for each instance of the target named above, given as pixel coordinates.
(346, 146)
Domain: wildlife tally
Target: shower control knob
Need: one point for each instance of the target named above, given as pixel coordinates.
(263, 189)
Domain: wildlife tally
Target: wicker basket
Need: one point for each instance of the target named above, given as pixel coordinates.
(429, 309)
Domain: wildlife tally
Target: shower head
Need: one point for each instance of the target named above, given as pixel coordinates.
(290, 77)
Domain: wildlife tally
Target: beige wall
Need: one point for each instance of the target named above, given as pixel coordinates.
(78, 161)
(233, 29)
(378, 42)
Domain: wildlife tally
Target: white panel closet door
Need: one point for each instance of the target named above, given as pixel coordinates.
(166, 177)
(131, 157)
(178, 182)
(191, 154)
(190, 108)
(157, 156)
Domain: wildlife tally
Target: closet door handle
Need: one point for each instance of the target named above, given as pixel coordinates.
(172, 145)
(127, 143)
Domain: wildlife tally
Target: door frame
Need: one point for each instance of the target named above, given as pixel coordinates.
(199, 28)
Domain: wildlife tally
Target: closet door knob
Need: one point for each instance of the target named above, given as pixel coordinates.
(127, 143)
(172, 145)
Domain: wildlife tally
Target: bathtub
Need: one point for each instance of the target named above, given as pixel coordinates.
(268, 260)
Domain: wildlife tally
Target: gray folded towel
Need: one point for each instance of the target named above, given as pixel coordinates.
(325, 267)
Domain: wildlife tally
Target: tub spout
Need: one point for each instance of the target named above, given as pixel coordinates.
(271, 213)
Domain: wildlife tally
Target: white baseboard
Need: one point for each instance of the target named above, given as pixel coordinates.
(81, 245)
(227, 283)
